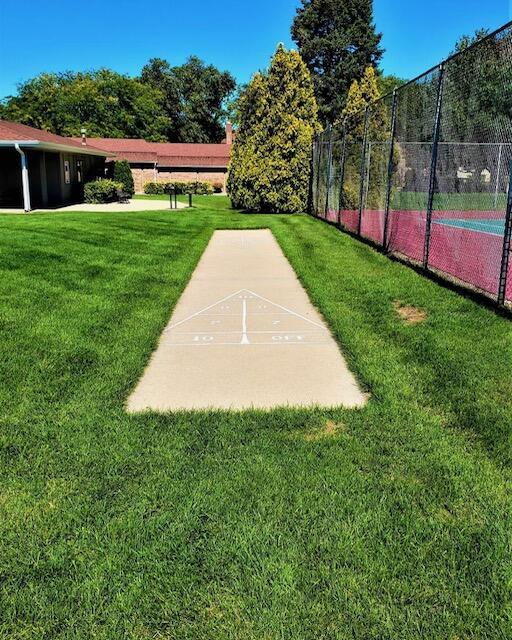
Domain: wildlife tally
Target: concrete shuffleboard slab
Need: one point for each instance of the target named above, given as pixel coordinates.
(245, 335)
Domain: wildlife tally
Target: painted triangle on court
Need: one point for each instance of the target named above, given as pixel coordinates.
(247, 303)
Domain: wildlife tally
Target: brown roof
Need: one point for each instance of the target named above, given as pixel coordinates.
(16, 132)
(171, 154)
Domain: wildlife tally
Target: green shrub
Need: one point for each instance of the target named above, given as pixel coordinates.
(196, 188)
(178, 187)
(101, 191)
(154, 188)
(201, 188)
(218, 187)
(123, 174)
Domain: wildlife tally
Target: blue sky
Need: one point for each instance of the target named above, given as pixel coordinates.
(240, 36)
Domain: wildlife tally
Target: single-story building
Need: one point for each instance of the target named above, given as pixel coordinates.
(167, 162)
(41, 169)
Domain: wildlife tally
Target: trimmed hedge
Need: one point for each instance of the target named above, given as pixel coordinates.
(196, 188)
(123, 174)
(101, 191)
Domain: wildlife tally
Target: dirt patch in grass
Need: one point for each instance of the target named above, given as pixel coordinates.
(410, 314)
(328, 430)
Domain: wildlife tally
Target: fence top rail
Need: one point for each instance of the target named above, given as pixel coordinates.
(475, 45)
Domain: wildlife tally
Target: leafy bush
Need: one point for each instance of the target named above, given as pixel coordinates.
(154, 188)
(178, 187)
(101, 191)
(196, 188)
(218, 187)
(199, 188)
(123, 174)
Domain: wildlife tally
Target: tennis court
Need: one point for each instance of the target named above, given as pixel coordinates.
(480, 225)
(436, 150)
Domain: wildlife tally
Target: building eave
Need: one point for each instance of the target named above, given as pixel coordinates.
(53, 146)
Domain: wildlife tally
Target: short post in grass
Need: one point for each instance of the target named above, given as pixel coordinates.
(363, 168)
(507, 240)
(190, 199)
(171, 197)
(433, 166)
(389, 186)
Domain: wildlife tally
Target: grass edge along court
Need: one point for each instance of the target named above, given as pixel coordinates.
(389, 521)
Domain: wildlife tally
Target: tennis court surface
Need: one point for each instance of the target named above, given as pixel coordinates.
(479, 224)
(245, 335)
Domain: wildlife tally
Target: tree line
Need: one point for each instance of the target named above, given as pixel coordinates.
(180, 104)
(190, 102)
(331, 77)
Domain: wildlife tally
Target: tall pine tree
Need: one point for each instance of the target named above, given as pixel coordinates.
(269, 168)
(337, 40)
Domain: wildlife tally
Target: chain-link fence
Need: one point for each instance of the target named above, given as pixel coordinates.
(426, 172)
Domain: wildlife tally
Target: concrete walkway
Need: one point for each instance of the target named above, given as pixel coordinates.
(244, 334)
(129, 207)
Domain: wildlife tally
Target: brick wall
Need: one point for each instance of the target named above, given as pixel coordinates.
(141, 176)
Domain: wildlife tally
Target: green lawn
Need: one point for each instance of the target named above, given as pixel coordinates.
(390, 522)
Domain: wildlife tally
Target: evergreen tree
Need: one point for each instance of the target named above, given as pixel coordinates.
(338, 41)
(387, 84)
(362, 94)
(269, 169)
(123, 174)
(245, 162)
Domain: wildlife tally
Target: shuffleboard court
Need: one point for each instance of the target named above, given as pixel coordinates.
(244, 334)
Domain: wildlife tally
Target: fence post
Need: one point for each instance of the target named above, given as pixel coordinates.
(329, 171)
(433, 166)
(507, 239)
(390, 172)
(309, 207)
(320, 145)
(498, 172)
(363, 169)
(342, 173)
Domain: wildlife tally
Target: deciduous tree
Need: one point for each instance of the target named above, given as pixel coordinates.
(194, 97)
(105, 103)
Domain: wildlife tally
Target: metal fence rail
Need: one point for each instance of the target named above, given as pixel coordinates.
(425, 173)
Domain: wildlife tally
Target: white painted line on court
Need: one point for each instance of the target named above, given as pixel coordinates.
(245, 339)
(293, 313)
(244, 294)
(172, 326)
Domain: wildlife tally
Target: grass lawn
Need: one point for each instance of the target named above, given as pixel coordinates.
(390, 522)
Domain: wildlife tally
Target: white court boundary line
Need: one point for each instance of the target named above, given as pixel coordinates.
(447, 222)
